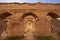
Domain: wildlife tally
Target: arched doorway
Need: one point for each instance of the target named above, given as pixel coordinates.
(3, 24)
(55, 22)
(29, 20)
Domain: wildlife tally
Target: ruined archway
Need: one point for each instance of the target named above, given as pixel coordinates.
(3, 17)
(54, 21)
(29, 20)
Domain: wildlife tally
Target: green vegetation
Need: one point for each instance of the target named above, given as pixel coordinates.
(45, 38)
(13, 38)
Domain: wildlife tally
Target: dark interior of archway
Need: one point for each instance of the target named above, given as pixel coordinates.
(5, 15)
(27, 14)
(53, 15)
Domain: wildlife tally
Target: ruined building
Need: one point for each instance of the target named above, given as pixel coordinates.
(16, 18)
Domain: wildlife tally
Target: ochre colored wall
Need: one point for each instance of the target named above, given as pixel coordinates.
(15, 25)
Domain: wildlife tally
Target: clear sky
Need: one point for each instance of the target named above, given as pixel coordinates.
(32, 1)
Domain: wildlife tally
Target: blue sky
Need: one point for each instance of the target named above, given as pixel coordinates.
(32, 1)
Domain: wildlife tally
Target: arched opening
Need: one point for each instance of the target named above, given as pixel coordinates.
(55, 23)
(29, 20)
(4, 16)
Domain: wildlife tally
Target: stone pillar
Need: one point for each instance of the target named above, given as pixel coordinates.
(15, 28)
(43, 28)
(1, 26)
(37, 28)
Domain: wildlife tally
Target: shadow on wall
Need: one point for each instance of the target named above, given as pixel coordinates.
(5, 15)
(53, 15)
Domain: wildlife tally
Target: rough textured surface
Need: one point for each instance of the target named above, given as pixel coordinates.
(16, 27)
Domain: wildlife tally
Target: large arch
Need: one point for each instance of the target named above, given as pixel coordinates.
(3, 22)
(55, 22)
(29, 20)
